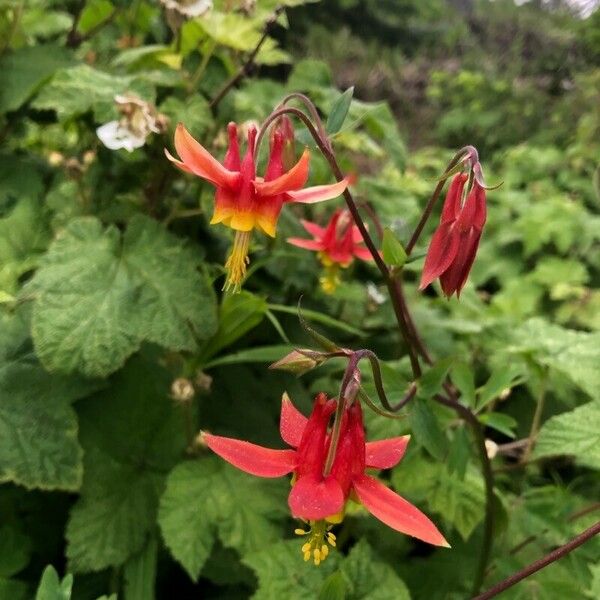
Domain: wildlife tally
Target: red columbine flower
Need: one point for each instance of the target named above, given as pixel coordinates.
(244, 201)
(454, 244)
(320, 499)
(338, 243)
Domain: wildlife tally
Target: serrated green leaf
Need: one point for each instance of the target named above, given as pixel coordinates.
(132, 434)
(575, 354)
(78, 89)
(25, 70)
(206, 497)
(52, 588)
(393, 251)
(339, 111)
(139, 573)
(573, 433)
(282, 573)
(427, 430)
(459, 502)
(334, 587)
(38, 427)
(362, 568)
(98, 297)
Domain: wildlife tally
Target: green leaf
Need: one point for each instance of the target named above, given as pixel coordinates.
(140, 572)
(432, 380)
(500, 422)
(575, 354)
(132, 435)
(573, 433)
(427, 430)
(52, 588)
(339, 111)
(15, 551)
(208, 497)
(362, 569)
(282, 573)
(94, 13)
(263, 354)
(78, 89)
(99, 296)
(25, 70)
(14, 589)
(23, 235)
(464, 380)
(393, 251)
(195, 112)
(314, 315)
(502, 378)
(460, 502)
(38, 427)
(238, 314)
(334, 587)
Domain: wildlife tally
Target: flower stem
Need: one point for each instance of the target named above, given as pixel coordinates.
(536, 566)
(535, 423)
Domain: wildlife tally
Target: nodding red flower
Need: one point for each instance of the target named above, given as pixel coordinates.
(454, 244)
(338, 243)
(244, 201)
(320, 498)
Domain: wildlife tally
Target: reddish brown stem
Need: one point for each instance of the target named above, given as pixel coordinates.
(536, 566)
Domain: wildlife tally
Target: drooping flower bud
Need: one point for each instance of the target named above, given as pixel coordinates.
(299, 361)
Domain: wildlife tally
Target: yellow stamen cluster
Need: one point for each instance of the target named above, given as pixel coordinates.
(237, 262)
(315, 547)
(330, 279)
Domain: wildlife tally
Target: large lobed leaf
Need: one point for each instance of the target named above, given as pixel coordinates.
(205, 498)
(100, 294)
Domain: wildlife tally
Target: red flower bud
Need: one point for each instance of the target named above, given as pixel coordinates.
(454, 244)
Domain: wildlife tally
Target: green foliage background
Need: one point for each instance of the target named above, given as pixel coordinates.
(110, 279)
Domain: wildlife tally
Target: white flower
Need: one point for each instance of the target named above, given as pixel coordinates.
(131, 130)
(188, 8)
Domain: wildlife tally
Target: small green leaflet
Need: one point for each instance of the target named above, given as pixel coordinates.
(393, 251)
(339, 111)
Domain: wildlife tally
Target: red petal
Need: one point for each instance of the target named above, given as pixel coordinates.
(200, 161)
(306, 244)
(442, 251)
(385, 454)
(454, 279)
(251, 458)
(291, 423)
(318, 193)
(316, 499)
(315, 230)
(451, 207)
(294, 179)
(395, 511)
(362, 253)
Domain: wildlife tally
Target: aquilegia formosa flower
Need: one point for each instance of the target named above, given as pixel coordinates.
(320, 499)
(338, 243)
(244, 201)
(454, 244)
